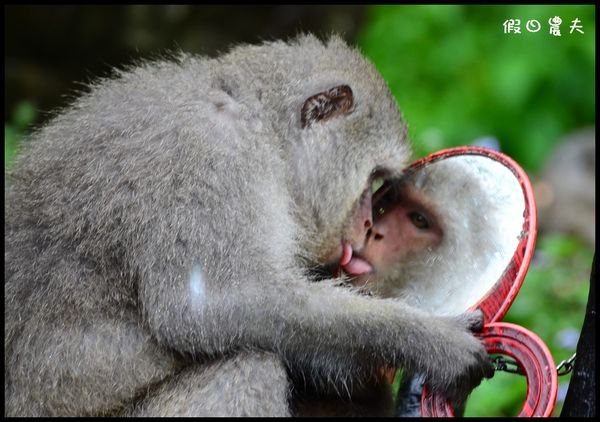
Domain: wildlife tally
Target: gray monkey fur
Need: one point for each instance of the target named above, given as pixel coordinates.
(158, 234)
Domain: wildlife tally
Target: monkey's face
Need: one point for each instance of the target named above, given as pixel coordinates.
(407, 226)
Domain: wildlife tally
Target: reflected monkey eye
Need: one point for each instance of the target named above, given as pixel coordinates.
(419, 220)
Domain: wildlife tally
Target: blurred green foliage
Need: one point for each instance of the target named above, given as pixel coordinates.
(458, 77)
(23, 116)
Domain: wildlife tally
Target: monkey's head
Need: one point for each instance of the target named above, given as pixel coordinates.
(340, 130)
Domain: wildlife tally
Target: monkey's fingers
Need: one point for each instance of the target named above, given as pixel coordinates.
(471, 320)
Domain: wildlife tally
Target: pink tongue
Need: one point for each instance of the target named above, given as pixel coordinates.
(357, 266)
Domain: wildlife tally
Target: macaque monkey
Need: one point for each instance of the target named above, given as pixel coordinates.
(160, 235)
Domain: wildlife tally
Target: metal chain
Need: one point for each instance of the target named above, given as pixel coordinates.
(512, 366)
(507, 365)
(566, 366)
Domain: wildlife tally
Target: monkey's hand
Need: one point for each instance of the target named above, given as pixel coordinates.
(463, 361)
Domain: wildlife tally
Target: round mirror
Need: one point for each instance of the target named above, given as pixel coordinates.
(486, 215)
(469, 232)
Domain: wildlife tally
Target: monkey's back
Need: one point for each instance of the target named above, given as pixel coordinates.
(88, 188)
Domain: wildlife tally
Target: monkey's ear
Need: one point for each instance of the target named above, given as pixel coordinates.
(325, 105)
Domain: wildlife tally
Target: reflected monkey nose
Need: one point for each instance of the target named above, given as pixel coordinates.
(377, 235)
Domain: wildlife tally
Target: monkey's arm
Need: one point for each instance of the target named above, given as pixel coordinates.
(322, 330)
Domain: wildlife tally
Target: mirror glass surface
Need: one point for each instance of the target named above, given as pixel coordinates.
(476, 205)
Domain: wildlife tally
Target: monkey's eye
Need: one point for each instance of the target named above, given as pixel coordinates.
(419, 220)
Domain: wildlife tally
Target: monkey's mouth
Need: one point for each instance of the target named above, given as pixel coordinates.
(352, 263)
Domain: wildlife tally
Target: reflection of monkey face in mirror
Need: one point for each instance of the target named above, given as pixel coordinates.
(405, 225)
(443, 234)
